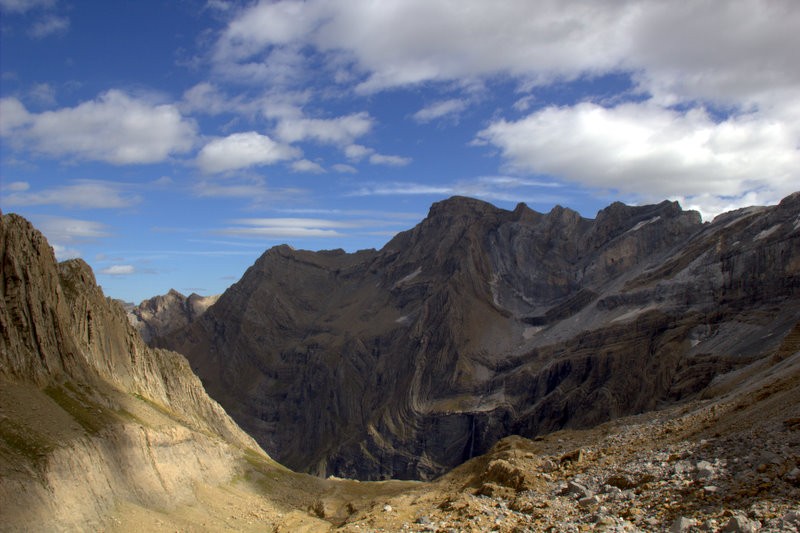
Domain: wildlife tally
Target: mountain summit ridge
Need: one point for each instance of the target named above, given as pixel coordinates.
(481, 322)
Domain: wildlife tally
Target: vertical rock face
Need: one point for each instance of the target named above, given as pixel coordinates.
(479, 323)
(89, 415)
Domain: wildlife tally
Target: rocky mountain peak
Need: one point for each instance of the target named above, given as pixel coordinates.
(162, 314)
(481, 322)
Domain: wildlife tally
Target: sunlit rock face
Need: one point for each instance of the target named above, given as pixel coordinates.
(481, 322)
(160, 315)
(91, 418)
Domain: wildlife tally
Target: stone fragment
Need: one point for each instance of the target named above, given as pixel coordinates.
(793, 476)
(576, 490)
(704, 470)
(740, 524)
(682, 524)
(621, 481)
(589, 501)
(575, 456)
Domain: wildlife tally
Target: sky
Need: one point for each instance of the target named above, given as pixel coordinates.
(169, 144)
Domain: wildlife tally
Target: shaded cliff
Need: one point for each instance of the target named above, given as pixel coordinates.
(480, 322)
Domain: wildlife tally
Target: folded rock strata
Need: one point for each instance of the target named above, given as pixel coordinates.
(481, 323)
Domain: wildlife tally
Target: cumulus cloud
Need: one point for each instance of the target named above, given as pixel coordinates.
(345, 169)
(651, 151)
(401, 42)
(308, 167)
(357, 152)
(242, 150)
(83, 194)
(717, 109)
(13, 115)
(115, 128)
(338, 131)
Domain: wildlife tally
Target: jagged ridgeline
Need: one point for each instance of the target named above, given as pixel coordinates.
(91, 418)
(480, 323)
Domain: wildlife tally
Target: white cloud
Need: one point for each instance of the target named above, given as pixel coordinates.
(401, 42)
(13, 115)
(59, 230)
(310, 167)
(390, 160)
(207, 98)
(22, 6)
(118, 270)
(63, 252)
(286, 227)
(685, 50)
(345, 169)
(338, 131)
(50, 25)
(652, 152)
(43, 94)
(357, 152)
(83, 194)
(242, 150)
(115, 128)
(17, 186)
(440, 109)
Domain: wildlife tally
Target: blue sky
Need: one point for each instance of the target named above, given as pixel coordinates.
(170, 143)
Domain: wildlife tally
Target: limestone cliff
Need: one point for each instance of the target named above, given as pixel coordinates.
(90, 417)
(480, 322)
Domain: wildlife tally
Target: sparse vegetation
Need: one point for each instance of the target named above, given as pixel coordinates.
(89, 414)
(24, 441)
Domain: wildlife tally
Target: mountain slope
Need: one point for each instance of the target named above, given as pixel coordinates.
(479, 323)
(91, 419)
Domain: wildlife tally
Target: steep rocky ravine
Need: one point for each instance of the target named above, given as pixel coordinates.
(480, 323)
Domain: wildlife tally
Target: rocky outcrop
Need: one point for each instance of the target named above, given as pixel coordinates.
(164, 314)
(90, 417)
(480, 322)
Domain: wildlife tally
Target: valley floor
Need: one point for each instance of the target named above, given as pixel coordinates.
(727, 464)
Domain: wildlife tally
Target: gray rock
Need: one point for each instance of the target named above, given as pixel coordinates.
(577, 490)
(705, 470)
(682, 524)
(740, 524)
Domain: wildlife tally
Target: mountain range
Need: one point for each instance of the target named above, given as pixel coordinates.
(521, 322)
(481, 323)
